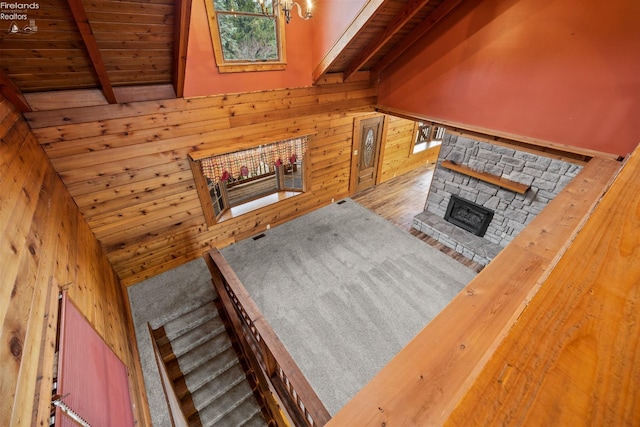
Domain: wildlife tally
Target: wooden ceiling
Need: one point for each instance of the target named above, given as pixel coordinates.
(92, 44)
(122, 48)
(382, 31)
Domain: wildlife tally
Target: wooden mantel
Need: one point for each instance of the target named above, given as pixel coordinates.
(487, 177)
(503, 353)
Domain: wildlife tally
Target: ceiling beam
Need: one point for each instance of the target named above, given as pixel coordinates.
(82, 21)
(347, 36)
(182, 13)
(10, 91)
(430, 21)
(410, 9)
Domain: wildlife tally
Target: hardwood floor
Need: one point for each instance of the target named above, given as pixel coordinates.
(403, 197)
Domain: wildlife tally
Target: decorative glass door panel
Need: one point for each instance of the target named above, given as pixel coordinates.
(370, 133)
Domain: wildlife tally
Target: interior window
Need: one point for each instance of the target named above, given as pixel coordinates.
(245, 180)
(290, 175)
(427, 135)
(247, 35)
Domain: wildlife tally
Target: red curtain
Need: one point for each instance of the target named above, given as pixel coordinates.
(254, 161)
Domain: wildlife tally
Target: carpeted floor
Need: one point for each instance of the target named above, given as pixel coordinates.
(343, 288)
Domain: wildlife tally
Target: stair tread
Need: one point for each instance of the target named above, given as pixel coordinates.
(190, 320)
(203, 373)
(204, 353)
(235, 406)
(173, 316)
(211, 371)
(194, 337)
(217, 386)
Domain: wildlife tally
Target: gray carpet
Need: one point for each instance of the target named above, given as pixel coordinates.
(344, 290)
(158, 300)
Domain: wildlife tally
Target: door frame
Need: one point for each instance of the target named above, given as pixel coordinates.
(355, 149)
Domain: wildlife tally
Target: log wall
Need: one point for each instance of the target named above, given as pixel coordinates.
(126, 165)
(45, 240)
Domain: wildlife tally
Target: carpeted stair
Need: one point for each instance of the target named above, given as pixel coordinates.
(207, 375)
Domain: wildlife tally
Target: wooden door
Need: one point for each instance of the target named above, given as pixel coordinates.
(368, 134)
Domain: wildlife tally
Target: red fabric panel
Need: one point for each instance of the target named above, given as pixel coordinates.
(254, 161)
(90, 375)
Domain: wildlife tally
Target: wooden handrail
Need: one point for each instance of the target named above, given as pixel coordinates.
(294, 390)
(176, 414)
(244, 342)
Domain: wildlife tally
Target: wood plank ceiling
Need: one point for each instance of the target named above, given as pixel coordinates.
(91, 44)
(381, 33)
(114, 46)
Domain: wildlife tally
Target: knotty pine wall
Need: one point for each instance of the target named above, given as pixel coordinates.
(44, 236)
(126, 165)
(396, 155)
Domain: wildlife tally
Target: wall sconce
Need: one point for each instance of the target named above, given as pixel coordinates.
(287, 6)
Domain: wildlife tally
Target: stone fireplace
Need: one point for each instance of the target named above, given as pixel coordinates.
(500, 212)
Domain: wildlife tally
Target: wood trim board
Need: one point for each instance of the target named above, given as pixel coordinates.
(486, 177)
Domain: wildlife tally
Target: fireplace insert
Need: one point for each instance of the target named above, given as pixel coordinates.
(468, 215)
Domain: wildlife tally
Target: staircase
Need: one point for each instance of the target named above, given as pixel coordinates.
(207, 375)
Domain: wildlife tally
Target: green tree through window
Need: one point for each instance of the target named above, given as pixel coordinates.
(245, 31)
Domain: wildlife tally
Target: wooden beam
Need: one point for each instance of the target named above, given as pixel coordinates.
(126, 94)
(203, 154)
(430, 21)
(405, 15)
(10, 91)
(567, 153)
(354, 28)
(82, 21)
(182, 13)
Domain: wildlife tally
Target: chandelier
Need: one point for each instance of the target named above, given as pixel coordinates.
(287, 6)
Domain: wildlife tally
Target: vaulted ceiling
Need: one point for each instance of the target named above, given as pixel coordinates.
(119, 47)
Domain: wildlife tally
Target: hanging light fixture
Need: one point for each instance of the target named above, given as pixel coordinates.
(287, 6)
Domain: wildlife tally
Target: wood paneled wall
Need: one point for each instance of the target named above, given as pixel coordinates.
(126, 165)
(396, 157)
(44, 236)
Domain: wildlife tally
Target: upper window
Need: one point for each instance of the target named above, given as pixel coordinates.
(247, 35)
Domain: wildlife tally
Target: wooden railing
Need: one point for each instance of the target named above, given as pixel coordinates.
(177, 417)
(272, 364)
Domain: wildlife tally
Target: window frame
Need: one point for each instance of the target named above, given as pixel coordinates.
(436, 134)
(203, 189)
(225, 66)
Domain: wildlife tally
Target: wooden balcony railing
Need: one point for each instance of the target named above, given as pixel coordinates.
(273, 365)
